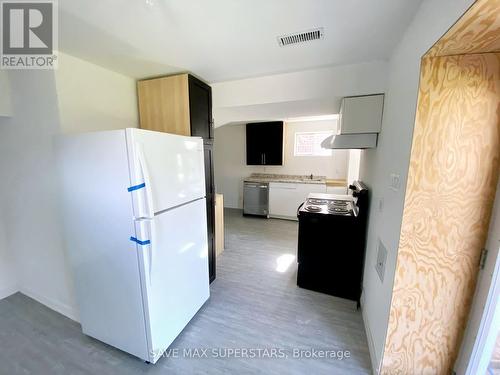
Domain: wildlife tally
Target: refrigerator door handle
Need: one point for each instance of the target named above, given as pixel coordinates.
(152, 235)
(148, 192)
(145, 230)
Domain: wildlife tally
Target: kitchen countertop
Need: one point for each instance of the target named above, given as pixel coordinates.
(297, 179)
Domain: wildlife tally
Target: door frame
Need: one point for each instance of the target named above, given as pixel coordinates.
(484, 321)
(469, 38)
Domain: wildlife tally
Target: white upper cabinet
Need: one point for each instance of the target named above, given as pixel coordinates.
(361, 114)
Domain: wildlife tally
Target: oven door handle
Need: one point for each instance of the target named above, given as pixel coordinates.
(298, 209)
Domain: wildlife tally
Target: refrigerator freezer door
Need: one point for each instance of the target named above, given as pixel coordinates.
(170, 166)
(174, 269)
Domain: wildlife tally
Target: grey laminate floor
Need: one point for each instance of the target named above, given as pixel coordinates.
(252, 306)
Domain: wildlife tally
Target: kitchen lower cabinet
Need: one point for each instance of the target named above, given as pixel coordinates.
(285, 198)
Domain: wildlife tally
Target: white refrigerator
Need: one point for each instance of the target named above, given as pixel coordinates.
(133, 204)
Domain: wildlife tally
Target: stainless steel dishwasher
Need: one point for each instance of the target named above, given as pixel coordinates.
(256, 198)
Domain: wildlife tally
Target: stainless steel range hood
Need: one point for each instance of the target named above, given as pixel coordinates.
(360, 121)
(348, 141)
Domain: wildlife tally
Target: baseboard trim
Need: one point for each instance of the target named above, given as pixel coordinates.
(371, 346)
(234, 208)
(57, 306)
(290, 218)
(8, 291)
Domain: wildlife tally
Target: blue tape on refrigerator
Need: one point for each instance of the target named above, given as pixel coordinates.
(146, 242)
(136, 187)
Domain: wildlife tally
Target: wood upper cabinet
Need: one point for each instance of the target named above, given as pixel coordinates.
(265, 143)
(164, 104)
(179, 104)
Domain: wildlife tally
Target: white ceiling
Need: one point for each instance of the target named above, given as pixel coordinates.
(221, 40)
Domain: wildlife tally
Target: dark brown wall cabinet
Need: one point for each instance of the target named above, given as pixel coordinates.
(265, 143)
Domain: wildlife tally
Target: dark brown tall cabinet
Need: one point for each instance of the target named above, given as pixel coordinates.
(200, 105)
(182, 104)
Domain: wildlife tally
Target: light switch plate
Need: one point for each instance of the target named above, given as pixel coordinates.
(381, 260)
(395, 183)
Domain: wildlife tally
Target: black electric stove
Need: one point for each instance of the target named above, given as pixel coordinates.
(331, 243)
(329, 204)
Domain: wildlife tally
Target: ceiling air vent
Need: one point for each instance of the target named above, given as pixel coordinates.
(301, 37)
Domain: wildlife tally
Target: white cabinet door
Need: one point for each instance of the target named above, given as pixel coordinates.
(283, 201)
(285, 198)
(361, 114)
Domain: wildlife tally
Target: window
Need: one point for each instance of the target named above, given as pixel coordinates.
(309, 144)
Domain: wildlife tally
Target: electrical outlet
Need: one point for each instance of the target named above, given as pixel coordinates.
(395, 183)
(381, 260)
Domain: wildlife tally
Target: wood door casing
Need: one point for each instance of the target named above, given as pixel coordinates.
(477, 32)
(453, 172)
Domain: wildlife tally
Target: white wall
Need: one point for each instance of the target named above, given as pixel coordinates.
(8, 277)
(29, 192)
(392, 156)
(5, 101)
(354, 166)
(304, 93)
(230, 159)
(92, 98)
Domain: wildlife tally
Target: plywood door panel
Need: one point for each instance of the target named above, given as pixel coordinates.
(164, 104)
(478, 31)
(453, 172)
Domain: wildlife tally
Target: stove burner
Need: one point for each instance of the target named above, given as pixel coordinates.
(317, 201)
(313, 208)
(338, 210)
(339, 203)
